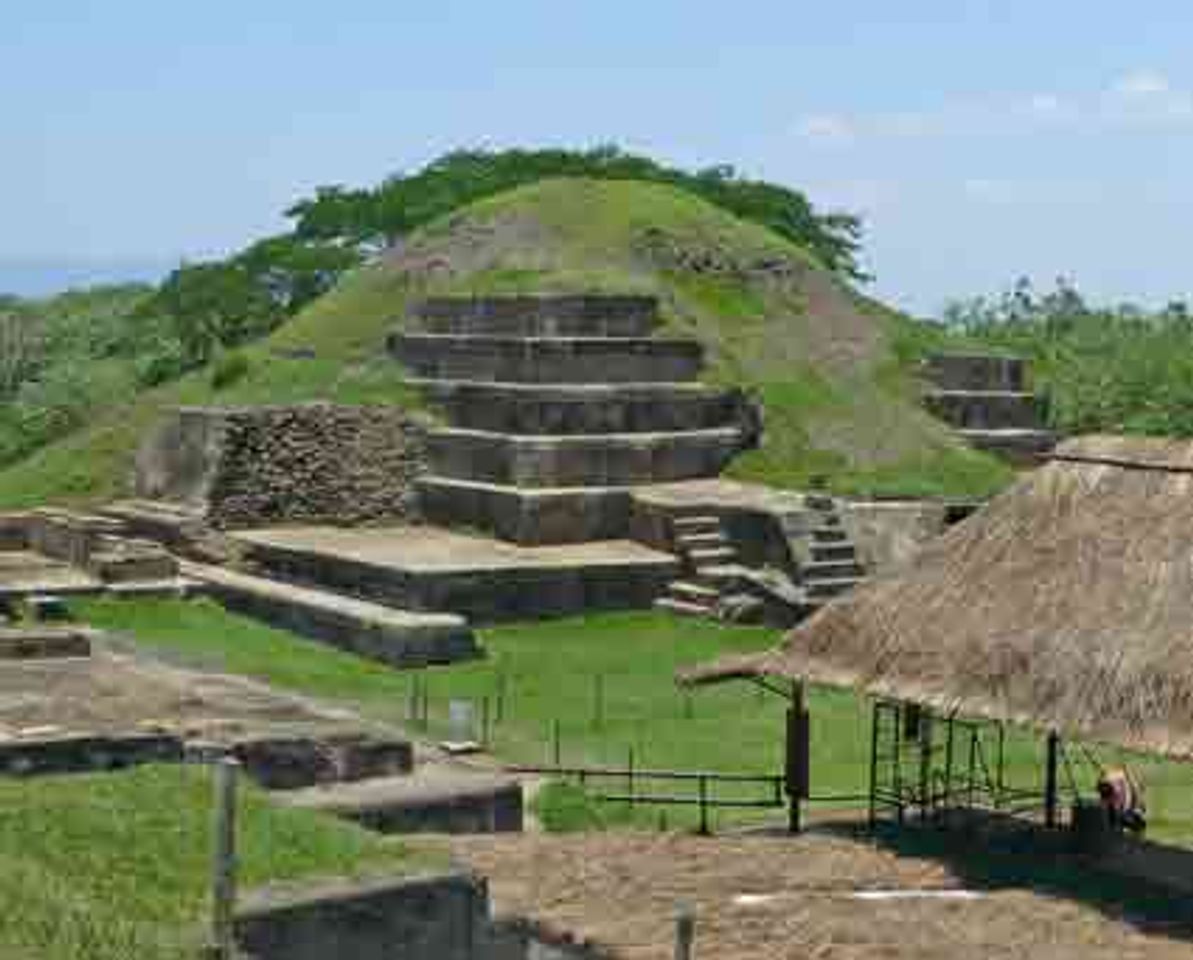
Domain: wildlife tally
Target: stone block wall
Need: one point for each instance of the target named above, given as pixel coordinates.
(252, 466)
(428, 918)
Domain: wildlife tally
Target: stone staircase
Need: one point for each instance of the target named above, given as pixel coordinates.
(713, 571)
(986, 398)
(558, 407)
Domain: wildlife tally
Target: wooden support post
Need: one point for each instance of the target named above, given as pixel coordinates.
(924, 732)
(1050, 779)
(685, 932)
(797, 769)
(875, 713)
(223, 872)
(1000, 780)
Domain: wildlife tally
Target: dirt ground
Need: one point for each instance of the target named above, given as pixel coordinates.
(765, 897)
(116, 692)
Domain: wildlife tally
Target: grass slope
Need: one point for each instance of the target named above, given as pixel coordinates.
(117, 866)
(608, 682)
(833, 369)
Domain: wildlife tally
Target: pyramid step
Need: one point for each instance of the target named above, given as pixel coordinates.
(524, 515)
(693, 592)
(681, 608)
(830, 534)
(548, 359)
(819, 501)
(985, 409)
(819, 589)
(583, 315)
(553, 408)
(580, 460)
(724, 577)
(830, 569)
(713, 538)
(696, 522)
(1018, 446)
(711, 555)
(832, 552)
(953, 371)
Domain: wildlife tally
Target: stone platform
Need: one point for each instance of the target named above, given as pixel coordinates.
(433, 569)
(400, 638)
(436, 799)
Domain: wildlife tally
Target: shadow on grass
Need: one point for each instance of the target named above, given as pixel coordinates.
(1147, 885)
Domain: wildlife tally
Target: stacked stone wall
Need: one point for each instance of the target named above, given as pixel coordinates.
(306, 463)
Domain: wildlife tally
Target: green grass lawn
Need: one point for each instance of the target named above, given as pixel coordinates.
(606, 682)
(116, 866)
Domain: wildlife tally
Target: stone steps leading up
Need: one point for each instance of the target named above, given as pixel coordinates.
(580, 460)
(548, 315)
(397, 637)
(831, 569)
(553, 408)
(683, 608)
(547, 359)
(527, 516)
(828, 552)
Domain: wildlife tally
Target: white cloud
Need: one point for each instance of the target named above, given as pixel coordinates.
(1147, 97)
(1139, 99)
(1142, 83)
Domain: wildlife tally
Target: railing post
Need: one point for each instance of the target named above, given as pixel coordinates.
(797, 765)
(703, 805)
(1050, 785)
(630, 775)
(223, 875)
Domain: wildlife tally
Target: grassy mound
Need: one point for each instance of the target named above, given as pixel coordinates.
(833, 369)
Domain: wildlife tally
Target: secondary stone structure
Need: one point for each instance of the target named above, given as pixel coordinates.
(987, 399)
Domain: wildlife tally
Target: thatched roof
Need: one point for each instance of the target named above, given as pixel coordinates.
(1066, 603)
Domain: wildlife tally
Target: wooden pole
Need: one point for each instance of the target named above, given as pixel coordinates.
(223, 874)
(875, 714)
(1050, 779)
(685, 932)
(797, 765)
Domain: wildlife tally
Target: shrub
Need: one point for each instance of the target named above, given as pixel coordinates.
(229, 368)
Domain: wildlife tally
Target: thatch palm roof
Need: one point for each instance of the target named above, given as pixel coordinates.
(1066, 603)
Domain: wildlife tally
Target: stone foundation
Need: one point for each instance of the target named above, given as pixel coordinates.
(426, 918)
(250, 466)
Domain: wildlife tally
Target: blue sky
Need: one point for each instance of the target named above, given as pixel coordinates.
(980, 140)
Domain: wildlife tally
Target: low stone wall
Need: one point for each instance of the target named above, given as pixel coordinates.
(86, 753)
(430, 918)
(252, 466)
(14, 531)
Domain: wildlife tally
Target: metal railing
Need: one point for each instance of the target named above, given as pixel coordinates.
(704, 797)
